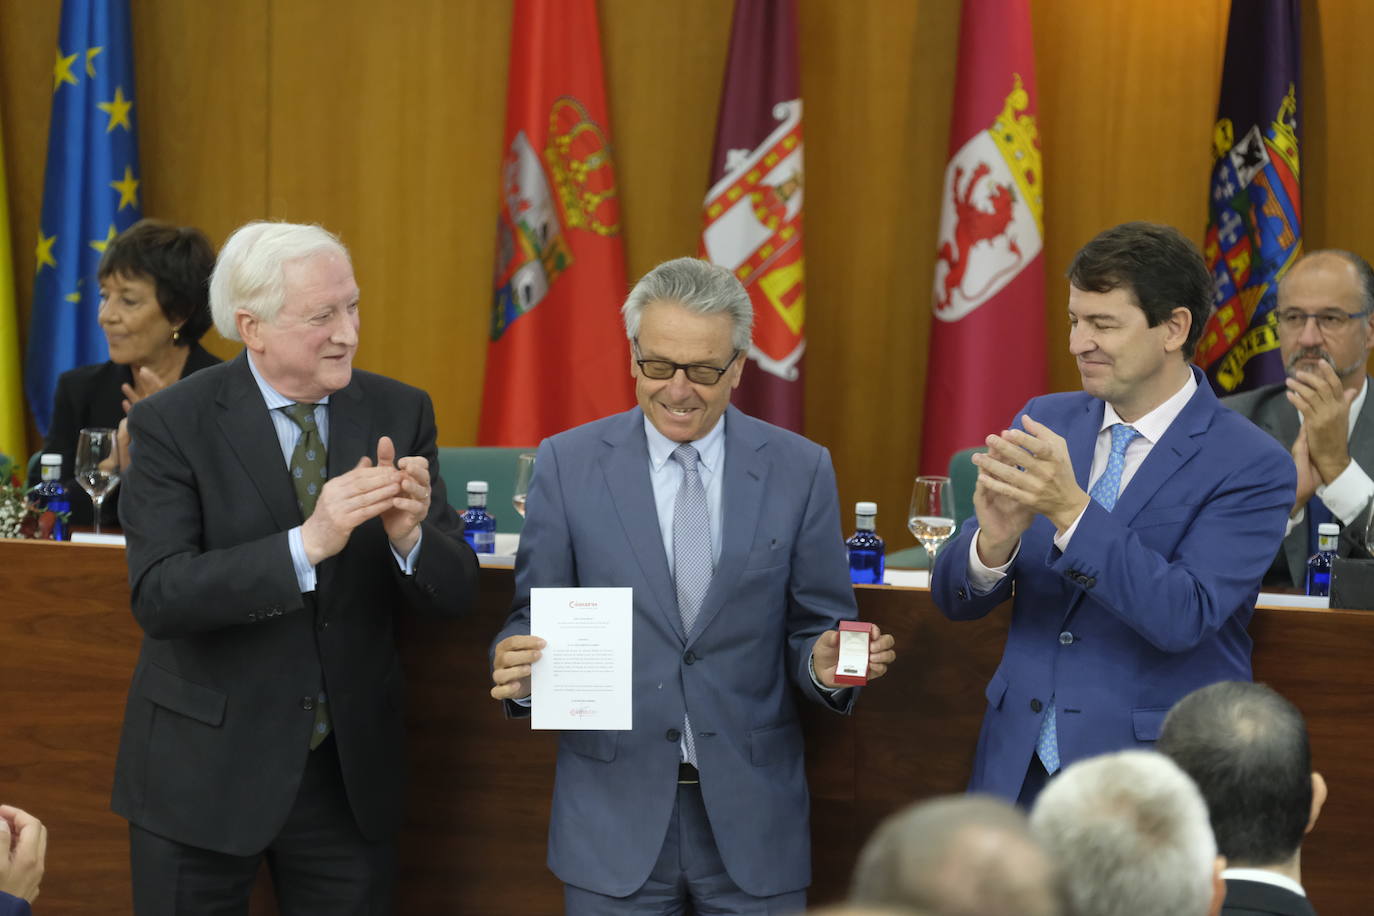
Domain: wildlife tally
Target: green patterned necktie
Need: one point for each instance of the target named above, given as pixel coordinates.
(308, 471)
(308, 461)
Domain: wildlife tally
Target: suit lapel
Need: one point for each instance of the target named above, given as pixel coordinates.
(248, 431)
(1178, 445)
(1082, 440)
(626, 467)
(741, 499)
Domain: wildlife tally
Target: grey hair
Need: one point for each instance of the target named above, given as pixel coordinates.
(1362, 271)
(249, 274)
(697, 285)
(1134, 828)
(958, 855)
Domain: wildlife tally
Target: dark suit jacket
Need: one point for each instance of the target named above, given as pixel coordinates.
(216, 730)
(1255, 898)
(1149, 602)
(90, 396)
(1269, 409)
(781, 581)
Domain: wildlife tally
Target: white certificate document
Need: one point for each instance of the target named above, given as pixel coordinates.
(584, 677)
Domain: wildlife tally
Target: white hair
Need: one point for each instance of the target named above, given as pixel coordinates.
(249, 274)
(1132, 832)
(698, 286)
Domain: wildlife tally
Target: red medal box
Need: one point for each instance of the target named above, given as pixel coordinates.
(852, 669)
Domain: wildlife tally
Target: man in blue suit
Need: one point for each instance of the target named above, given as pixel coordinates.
(1132, 522)
(728, 531)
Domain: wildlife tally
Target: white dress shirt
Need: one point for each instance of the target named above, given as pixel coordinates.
(1351, 491)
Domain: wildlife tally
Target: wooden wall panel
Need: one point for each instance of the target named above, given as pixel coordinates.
(384, 123)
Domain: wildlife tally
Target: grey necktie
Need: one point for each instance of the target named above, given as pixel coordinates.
(692, 561)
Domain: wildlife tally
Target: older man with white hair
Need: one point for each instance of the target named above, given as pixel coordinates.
(280, 510)
(1130, 833)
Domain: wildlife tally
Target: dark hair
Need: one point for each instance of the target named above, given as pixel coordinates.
(178, 260)
(1246, 748)
(1157, 265)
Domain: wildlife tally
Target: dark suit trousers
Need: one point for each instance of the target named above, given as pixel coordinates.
(319, 861)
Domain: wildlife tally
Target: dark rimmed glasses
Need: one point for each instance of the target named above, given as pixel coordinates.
(697, 373)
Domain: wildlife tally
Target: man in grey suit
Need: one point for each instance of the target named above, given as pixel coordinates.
(280, 511)
(1323, 412)
(1246, 747)
(728, 531)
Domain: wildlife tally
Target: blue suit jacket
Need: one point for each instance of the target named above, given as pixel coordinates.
(13, 906)
(1149, 602)
(781, 581)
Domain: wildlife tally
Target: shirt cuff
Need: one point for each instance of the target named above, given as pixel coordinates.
(305, 573)
(523, 701)
(407, 562)
(1062, 540)
(1294, 521)
(982, 577)
(829, 692)
(1348, 494)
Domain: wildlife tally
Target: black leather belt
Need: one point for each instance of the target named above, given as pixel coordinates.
(687, 775)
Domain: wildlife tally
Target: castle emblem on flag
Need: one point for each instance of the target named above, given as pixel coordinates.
(577, 191)
(992, 221)
(753, 227)
(1254, 234)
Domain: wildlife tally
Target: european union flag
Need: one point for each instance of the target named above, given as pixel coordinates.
(90, 192)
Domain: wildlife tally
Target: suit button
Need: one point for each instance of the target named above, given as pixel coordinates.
(1036, 706)
(1089, 581)
(307, 703)
(690, 657)
(1066, 638)
(961, 594)
(252, 616)
(673, 735)
(324, 624)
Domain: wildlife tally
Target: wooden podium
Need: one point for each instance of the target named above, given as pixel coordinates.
(473, 841)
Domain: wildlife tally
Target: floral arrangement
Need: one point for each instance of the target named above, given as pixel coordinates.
(18, 519)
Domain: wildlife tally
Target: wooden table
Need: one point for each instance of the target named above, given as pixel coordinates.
(474, 837)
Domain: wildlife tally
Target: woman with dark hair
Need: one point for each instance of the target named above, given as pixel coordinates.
(154, 307)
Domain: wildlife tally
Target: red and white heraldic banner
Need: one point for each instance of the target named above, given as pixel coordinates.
(987, 339)
(752, 216)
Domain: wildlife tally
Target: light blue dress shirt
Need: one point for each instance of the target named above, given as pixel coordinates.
(288, 434)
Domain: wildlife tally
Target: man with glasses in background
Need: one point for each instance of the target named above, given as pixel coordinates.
(1321, 413)
(728, 531)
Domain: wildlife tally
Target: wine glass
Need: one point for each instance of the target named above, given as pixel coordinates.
(97, 465)
(524, 470)
(931, 517)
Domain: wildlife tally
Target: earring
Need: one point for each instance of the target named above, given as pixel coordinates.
(176, 335)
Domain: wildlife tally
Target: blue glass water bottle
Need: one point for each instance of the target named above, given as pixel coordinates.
(479, 525)
(866, 550)
(1319, 566)
(50, 500)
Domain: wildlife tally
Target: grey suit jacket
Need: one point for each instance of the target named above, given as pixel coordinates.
(1268, 408)
(781, 581)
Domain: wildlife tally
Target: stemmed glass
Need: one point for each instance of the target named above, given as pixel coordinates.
(97, 465)
(524, 470)
(931, 517)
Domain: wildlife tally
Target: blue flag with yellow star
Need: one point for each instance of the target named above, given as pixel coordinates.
(90, 191)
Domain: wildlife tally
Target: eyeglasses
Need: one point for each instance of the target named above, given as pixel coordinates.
(698, 373)
(1332, 322)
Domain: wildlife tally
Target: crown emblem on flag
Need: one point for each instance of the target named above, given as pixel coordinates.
(1018, 139)
(579, 159)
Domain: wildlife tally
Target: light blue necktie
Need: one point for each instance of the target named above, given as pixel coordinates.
(1105, 491)
(692, 561)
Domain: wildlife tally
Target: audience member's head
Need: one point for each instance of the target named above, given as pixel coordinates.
(1246, 748)
(965, 855)
(1130, 830)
